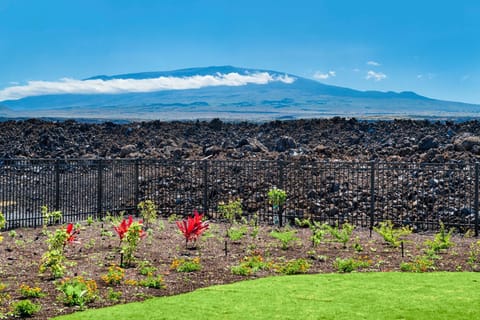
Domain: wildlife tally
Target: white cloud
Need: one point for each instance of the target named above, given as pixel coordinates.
(356, 70)
(72, 86)
(323, 76)
(428, 76)
(377, 76)
(373, 63)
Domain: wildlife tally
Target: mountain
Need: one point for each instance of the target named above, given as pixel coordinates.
(230, 93)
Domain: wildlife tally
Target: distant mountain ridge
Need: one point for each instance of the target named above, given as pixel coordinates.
(297, 98)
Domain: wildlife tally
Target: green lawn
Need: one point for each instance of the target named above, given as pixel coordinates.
(324, 296)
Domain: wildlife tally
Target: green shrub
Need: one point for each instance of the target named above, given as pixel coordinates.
(31, 292)
(146, 268)
(295, 266)
(250, 265)
(340, 235)
(236, 233)
(350, 264)
(277, 197)
(148, 211)
(474, 256)
(50, 216)
(231, 210)
(419, 264)
(441, 241)
(25, 308)
(186, 264)
(152, 282)
(286, 237)
(77, 291)
(392, 235)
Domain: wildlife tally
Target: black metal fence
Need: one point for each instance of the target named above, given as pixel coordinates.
(416, 194)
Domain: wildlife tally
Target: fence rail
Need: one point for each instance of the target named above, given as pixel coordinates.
(362, 193)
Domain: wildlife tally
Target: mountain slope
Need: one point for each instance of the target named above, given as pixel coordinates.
(277, 99)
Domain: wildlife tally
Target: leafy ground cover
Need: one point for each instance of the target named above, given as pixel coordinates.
(95, 274)
(390, 295)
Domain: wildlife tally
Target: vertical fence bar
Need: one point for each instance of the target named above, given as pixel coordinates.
(476, 199)
(372, 195)
(137, 187)
(280, 186)
(99, 187)
(205, 187)
(57, 184)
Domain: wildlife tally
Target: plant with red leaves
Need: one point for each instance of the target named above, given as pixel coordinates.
(130, 233)
(123, 227)
(71, 234)
(192, 227)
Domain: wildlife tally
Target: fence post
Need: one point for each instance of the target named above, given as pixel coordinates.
(372, 195)
(205, 187)
(99, 187)
(57, 184)
(280, 186)
(137, 187)
(476, 199)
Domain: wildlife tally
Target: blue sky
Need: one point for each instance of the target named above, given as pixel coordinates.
(430, 47)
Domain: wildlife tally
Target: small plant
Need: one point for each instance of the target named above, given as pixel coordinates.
(173, 217)
(90, 220)
(286, 237)
(114, 276)
(441, 241)
(31, 292)
(130, 233)
(106, 233)
(392, 235)
(192, 227)
(146, 268)
(250, 265)
(4, 297)
(113, 295)
(318, 232)
(295, 266)
(12, 234)
(277, 197)
(2, 224)
(77, 291)
(474, 256)
(236, 233)
(152, 282)
(350, 264)
(419, 264)
(340, 235)
(357, 245)
(303, 223)
(50, 216)
(231, 210)
(53, 259)
(25, 308)
(186, 264)
(148, 211)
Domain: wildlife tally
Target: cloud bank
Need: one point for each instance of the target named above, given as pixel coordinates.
(377, 76)
(116, 86)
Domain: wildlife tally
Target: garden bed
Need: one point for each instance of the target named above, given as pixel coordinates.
(162, 252)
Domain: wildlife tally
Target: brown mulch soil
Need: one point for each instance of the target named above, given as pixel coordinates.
(95, 251)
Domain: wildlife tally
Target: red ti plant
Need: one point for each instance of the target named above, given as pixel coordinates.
(125, 225)
(122, 228)
(71, 234)
(192, 227)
